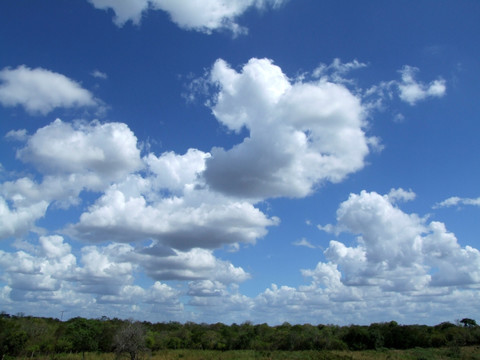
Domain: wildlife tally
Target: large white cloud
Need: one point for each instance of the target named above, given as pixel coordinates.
(72, 157)
(300, 134)
(197, 219)
(40, 91)
(201, 15)
(106, 151)
(399, 251)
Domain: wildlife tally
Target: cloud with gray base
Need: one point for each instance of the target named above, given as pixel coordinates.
(301, 134)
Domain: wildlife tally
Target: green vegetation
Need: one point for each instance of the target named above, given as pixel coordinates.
(108, 339)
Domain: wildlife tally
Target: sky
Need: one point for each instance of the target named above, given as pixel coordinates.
(269, 161)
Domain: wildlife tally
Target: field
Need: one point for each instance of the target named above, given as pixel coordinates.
(472, 352)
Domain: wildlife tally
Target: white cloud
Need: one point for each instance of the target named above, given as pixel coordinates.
(200, 15)
(40, 91)
(177, 172)
(18, 220)
(457, 201)
(73, 157)
(105, 269)
(125, 10)
(106, 151)
(398, 251)
(215, 302)
(159, 298)
(412, 91)
(161, 263)
(206, 15)
(206, 288)
(174, 222)
(400, 194)
(408, 89)
(301, 134)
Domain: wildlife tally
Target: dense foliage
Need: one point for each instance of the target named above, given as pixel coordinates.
(30, 336)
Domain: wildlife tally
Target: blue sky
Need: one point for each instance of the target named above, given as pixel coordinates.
(225, 161)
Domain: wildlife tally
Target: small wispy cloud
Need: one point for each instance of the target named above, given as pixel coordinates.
(304, 242)
(457, 201)
(98, 74)
(412, 91)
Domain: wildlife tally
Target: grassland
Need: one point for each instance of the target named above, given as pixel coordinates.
(470, 353)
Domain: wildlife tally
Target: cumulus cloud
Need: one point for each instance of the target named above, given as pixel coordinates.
(175, 172)
(401, 266)
(194, 264)
(105, 270)
(70, 158)
(40, 91)
(400, 194)
(124, 10)
(398, 251)
(17, 220)
(214, 297)
(300, 134)
(171, 205)
(104, 275)
(107, 151)
(27, 273)
(180, 223)
(412, 91)
(206, 288)
(204, 16)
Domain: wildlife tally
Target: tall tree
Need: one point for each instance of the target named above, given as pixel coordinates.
(130, 339)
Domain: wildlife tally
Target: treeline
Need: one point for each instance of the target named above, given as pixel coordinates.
(31, 336)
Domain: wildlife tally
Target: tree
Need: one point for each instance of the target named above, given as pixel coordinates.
(468, 322)
(12, 338)
(83, 334)
(130, 339)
